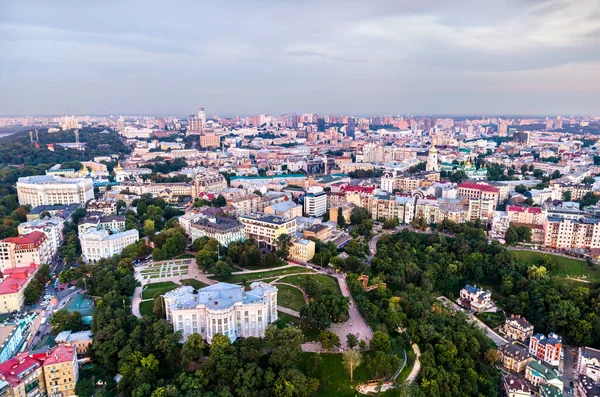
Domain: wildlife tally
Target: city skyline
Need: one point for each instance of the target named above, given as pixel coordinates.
(526, 58)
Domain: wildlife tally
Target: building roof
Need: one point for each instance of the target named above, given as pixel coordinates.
(60, 354)
(589, 387)
(513, 383)
(217, 296)
(514, 351)
(17, 368)
(16, 278)
(540, 370)
(27, 239)
(521, 321)
(552, 339)
(531, 210)
(469, 185)
(315, 228)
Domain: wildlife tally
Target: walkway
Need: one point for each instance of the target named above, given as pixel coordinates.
(416, 367)
(356, 324)
(288, 311)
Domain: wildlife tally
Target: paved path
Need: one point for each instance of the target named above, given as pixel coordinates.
(416, 367)
(288, 311)
(495, 337)
(356, 324)
(266, 269)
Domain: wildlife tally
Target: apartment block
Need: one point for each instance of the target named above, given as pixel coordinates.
(24, 250)
(265, 229)
(563, 233)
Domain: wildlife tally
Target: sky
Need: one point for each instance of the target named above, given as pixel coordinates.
(521, 57)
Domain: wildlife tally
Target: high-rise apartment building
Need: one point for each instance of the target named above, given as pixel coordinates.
(315, 201)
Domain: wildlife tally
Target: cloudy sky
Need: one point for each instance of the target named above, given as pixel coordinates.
(521, 57)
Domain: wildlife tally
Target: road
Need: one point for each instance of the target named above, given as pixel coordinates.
(569, 368)
(417, 367)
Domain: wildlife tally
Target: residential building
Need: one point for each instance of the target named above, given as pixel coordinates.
(514, 357)
(246, 205)
(346, 212)
(474, 298)
(480, 209)
(50, 190)
(478, 191)
(22, 375)
(589, 363)
(427, 209)
(518, 328)
(106, 207)
(385, 206)
(547, 349)
(209, 182)
(210, 141)
(587, 387)
(12, 287)
(266, 229)
(63, 212)
(51, 227)
(222, 308)
(24, 250)
(315, 202)
(224, 230)
(14, 335)
(516, 387)
(563, 233)
(81, 340)
(302, 250)
(499, 225)
(61, 371)
(528, 215)
(97, 244)
(539, 374)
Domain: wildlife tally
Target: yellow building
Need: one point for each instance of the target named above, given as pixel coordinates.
(302, 250)
(61, 371)
(265, 229)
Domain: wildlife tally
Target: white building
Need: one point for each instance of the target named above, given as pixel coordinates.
(315, 201)
(130, 132)
(432, 160)
(52, 228)
(97, 244)
(49, 190)
(222, 309)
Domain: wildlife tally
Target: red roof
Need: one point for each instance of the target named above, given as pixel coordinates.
(360, 189)
(60, 354)
(531, 210)
(13, 370)
(478, 186)
(26, 240)
(16, 278)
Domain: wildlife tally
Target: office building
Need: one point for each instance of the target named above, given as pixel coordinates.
(50, 190)
(210, 141)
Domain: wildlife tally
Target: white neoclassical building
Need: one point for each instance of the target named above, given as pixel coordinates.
(49, 190)
(97, 244)
(222, 309)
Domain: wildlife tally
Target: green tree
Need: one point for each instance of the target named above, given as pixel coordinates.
(222, 270)
(158, 307)
(149, 228)
(341, 221)
(329, 340)
(358, 215)
(193, 348)
(381, 342)
(33, 292)
(283, 244)
(567, 196)
(351, 341)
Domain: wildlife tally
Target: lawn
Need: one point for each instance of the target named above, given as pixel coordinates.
(258, 267)
(334, 379)
(290, 297)
(564, 266)
(193, 282)
(146, 307)
(285, 320)
(238, 278)
(325, 281)
(184, 256)
(153, 289)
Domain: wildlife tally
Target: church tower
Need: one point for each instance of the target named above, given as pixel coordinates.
(432, 160)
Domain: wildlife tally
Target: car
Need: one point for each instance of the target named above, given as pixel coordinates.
(72, 287)
(571, 384)
(570, 391)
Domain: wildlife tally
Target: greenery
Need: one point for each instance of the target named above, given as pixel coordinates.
(517, 234)
(560, 266)
(325, 309)
(243, 254)
(193, 282)
(290, 297)
(62, 320)
(154, 289)
(33, 292)
(314, 284)
(420, 167)
(248, 277)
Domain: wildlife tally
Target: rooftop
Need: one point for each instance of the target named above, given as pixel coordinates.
(478, 186)
(16, 278)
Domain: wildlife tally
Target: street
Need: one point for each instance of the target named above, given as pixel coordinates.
(569, 371)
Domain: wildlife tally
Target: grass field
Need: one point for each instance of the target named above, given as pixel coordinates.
(184, 256)
(158, 288)
(285, 320)
(238, 278)
(564, 266)
(258, 267)
(193, 282)
(327, 282)
(334, 380)
(146, 307)
(290, 297)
